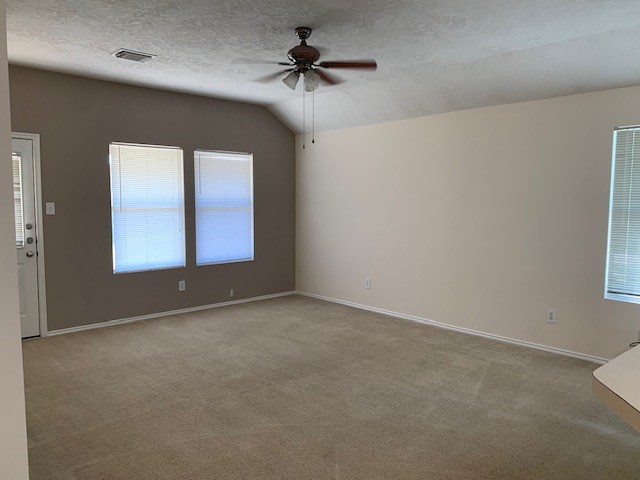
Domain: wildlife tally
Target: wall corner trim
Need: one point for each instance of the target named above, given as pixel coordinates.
(150, 316)
(413, 318)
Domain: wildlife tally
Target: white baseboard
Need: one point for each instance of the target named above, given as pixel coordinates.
(110, 323)
(413, 318)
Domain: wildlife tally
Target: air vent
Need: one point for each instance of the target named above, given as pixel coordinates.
(132, 55)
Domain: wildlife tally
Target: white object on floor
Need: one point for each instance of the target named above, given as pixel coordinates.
(617, 385)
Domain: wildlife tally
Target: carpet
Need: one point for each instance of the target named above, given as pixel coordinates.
(299, 388)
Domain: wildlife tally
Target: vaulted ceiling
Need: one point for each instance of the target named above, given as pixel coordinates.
(434, 56)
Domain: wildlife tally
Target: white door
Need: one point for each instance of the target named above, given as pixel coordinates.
(26, 234)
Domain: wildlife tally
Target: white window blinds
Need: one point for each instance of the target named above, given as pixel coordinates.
(623, 258)
(147, 205)
(224, 207)
(18, 208)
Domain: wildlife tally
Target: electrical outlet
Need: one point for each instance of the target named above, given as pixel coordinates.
(182, 285)
(231, 292)
(367, 282)
(552, 316)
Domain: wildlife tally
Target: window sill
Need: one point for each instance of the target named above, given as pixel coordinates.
(225, 262)
(621, 298)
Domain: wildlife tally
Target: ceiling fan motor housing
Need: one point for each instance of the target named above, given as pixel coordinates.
(303, 55)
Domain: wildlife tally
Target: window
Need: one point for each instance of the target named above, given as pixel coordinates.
(224, 207)
(147, 207)
(623, 256)
(17, 198)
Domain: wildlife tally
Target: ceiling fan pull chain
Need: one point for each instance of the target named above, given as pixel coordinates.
(313, 116)
(303, 121)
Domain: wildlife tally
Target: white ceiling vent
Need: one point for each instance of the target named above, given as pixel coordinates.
(133, 55)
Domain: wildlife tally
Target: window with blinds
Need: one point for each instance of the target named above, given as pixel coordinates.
(18, 207)
(623, 256)
(147, 207)
(224, 207)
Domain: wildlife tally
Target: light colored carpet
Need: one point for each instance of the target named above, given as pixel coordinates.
(296, 388)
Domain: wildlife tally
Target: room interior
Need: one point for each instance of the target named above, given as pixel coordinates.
(425, 296)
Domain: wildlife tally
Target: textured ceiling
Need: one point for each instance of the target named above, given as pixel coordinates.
(434, 56)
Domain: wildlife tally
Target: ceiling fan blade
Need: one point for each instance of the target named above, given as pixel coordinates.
(273, 76)
(361, 64)
(328, 78)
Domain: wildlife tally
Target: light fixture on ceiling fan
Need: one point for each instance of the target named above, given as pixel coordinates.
(311, 80)
(303, 61)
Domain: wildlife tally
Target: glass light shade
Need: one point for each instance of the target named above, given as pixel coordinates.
(291, 80)
(311, 80)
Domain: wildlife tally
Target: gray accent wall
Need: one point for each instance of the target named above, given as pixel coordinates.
(76, 119)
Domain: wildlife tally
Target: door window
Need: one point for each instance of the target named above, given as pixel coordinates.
(18, 206)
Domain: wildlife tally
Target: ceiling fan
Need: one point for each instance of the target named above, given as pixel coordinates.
(303, 60)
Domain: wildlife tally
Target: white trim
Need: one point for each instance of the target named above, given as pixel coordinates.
(42, 291)
(125, 144)
(224, 262)
(513, 341)
(150, 316)
(619, 296)
(611, 185)
(413, 318)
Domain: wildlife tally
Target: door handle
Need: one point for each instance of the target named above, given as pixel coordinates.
(30, 254)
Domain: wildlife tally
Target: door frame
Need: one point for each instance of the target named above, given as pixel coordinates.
(42, 294)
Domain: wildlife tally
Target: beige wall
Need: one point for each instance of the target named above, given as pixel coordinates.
(13, 436)
(77, 118)
(481, 219)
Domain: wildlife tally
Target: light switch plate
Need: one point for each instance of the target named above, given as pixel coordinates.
(50, 208)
